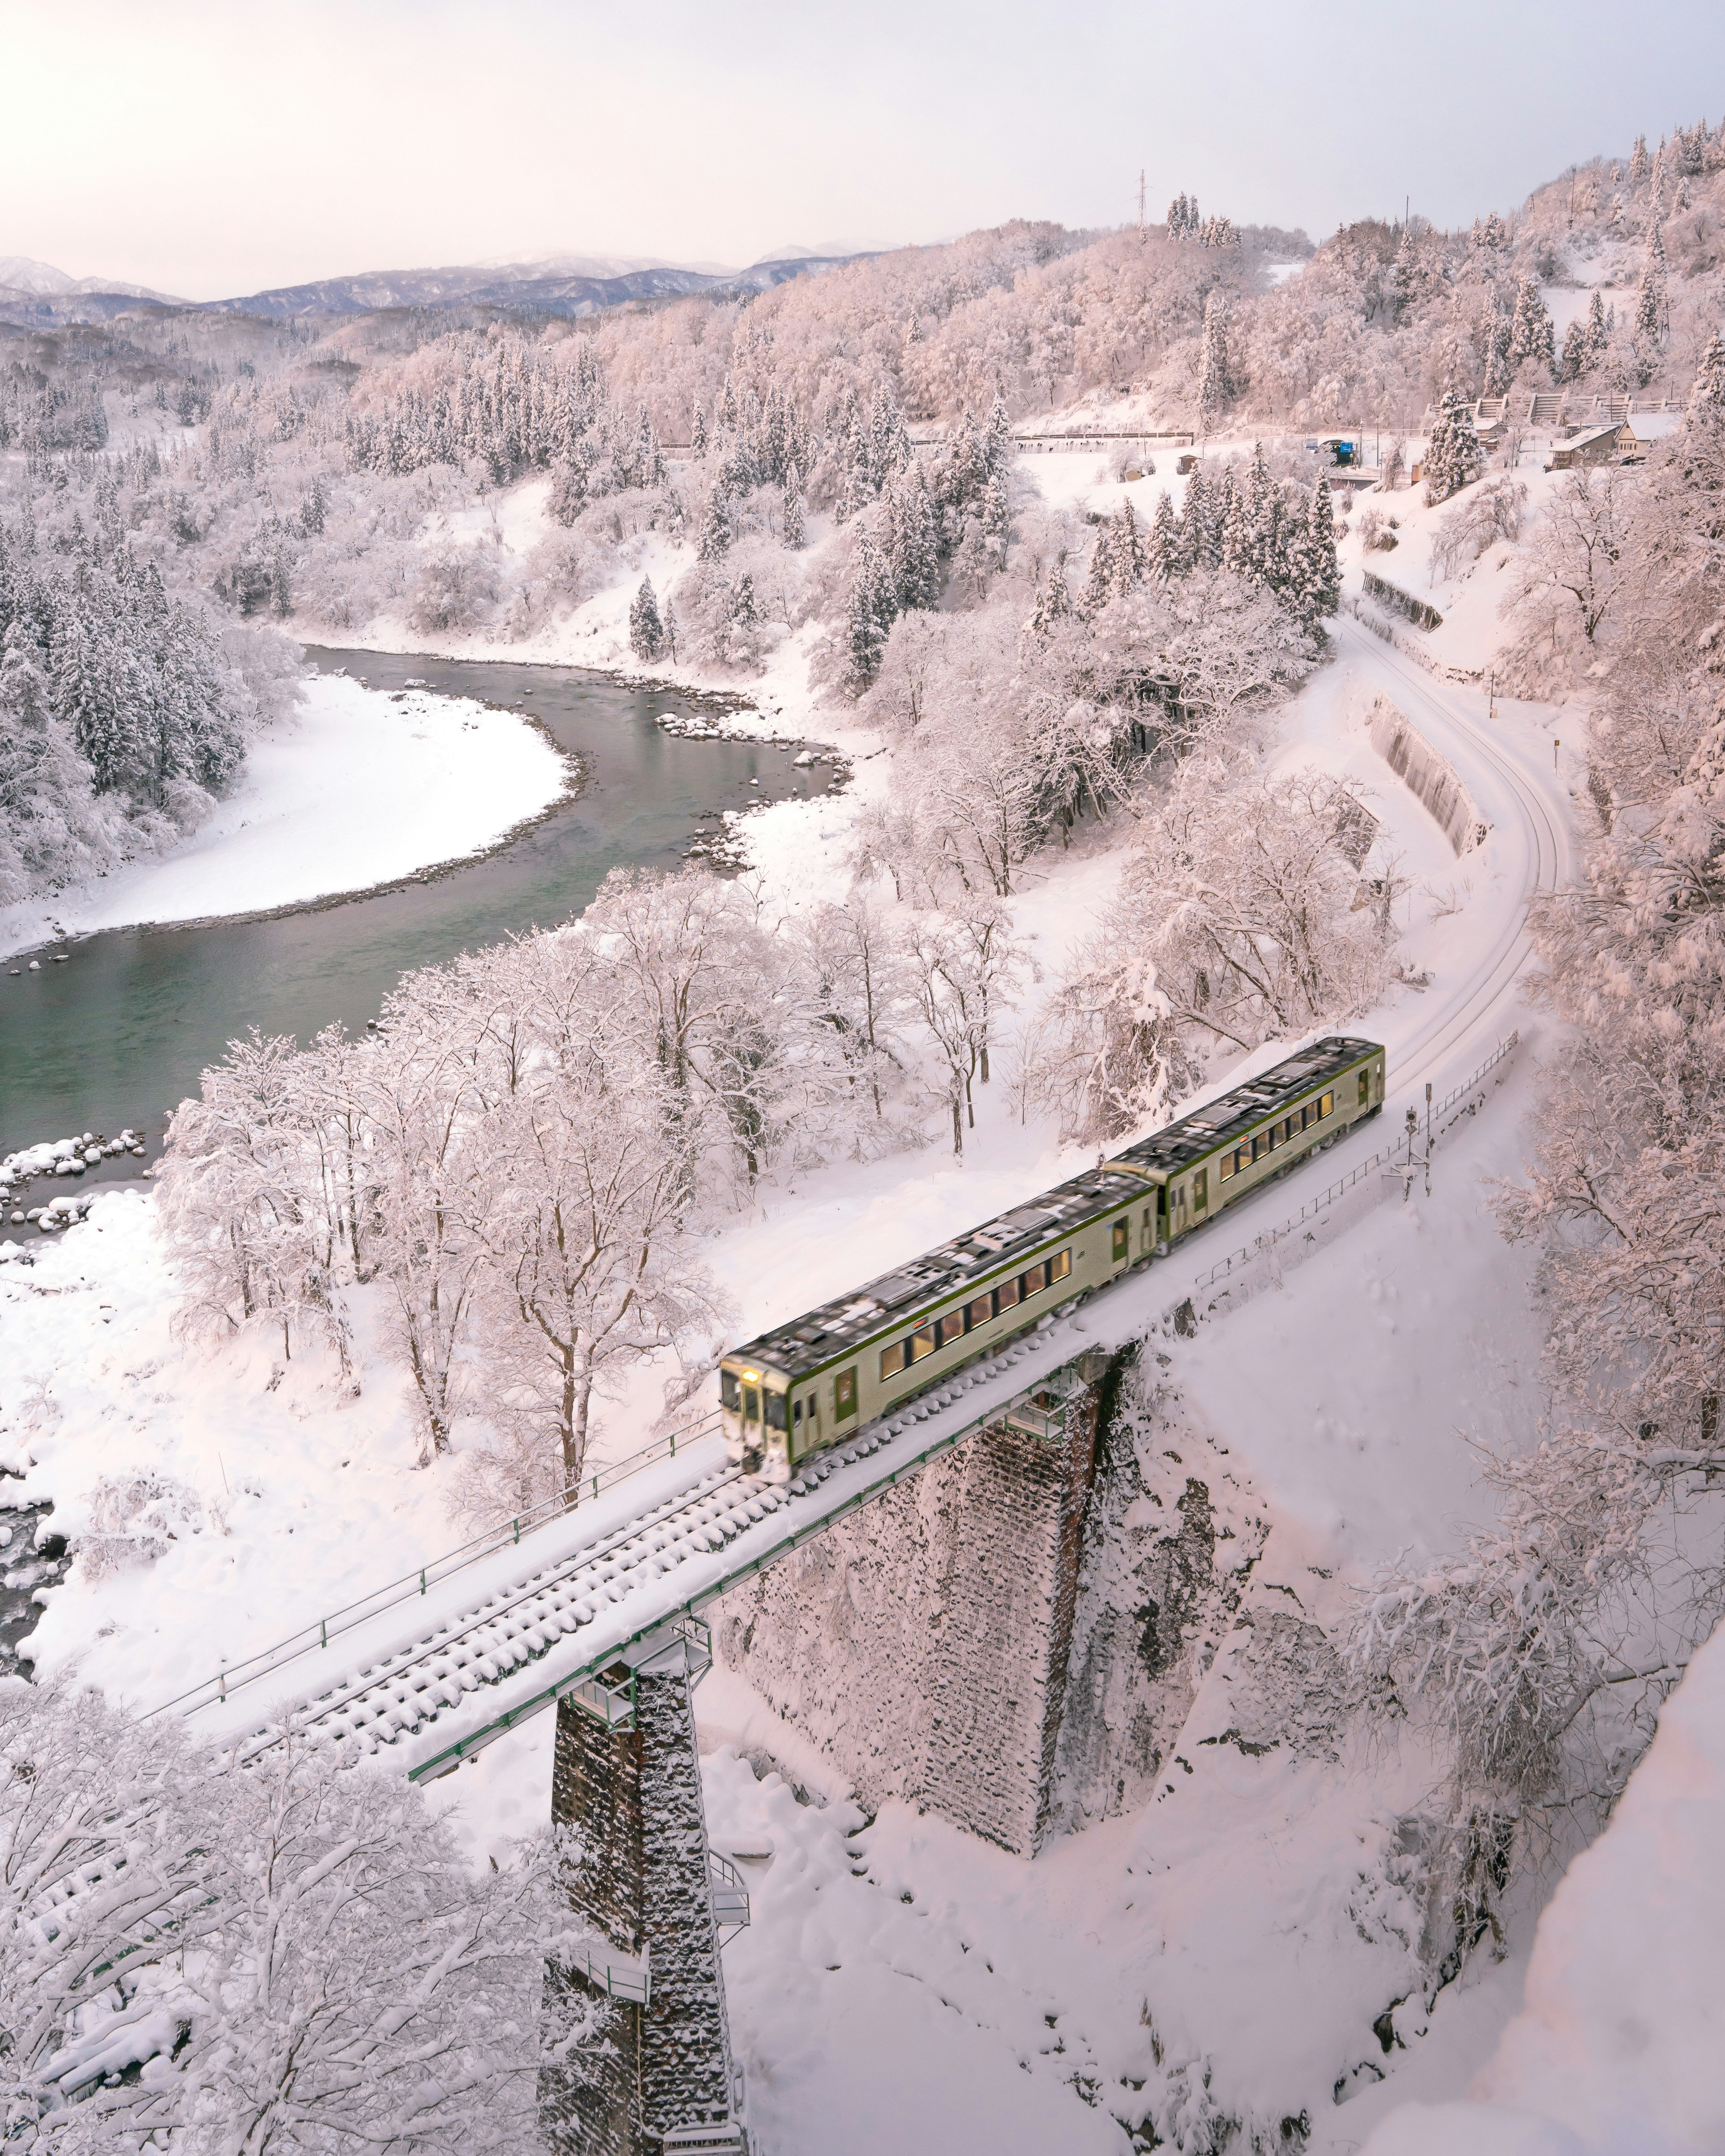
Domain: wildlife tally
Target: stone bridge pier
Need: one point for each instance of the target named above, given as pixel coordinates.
(922, 1640)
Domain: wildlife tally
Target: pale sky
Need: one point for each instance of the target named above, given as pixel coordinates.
(213, 150)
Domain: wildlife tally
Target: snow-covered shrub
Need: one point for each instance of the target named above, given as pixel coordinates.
(131, 1520)
(1494, 512)
(456, 588)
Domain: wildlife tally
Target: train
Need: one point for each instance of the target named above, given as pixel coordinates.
(825, 1375)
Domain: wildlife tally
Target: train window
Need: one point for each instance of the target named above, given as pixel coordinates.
(1034, 1281)
(750, 1404)
(922, 1343)
(775, 1411)
(981, 1311)
(1365, 1089)
(1006, 1295)
(844, 1395)
(952, 1328)
(1228, 1160)
(1326, 1107)
(892, 1359)
(730, 1391)
(1122, 1241)
(1200, 1190)
(1060, 1265)
(796, 1411)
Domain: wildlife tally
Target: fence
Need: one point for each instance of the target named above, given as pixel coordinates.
(313, 1637)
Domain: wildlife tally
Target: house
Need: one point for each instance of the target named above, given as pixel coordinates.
(1596, 444)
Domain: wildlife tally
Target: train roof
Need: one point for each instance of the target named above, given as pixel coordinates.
(811, 1342)
(1188, 1139)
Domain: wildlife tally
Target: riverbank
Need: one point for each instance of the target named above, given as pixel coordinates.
(365, 788)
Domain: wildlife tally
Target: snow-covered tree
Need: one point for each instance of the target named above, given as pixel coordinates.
(646, 631)
(1707, 396)
(795, 530)
(1452, 456)
(1532, 336)
(1215, 377)
(282, 1955)
(873, 606)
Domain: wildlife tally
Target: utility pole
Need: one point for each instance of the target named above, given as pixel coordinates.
(1142, 235)
(1428, 1138)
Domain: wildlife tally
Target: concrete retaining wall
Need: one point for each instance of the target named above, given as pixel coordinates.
(1428, 775)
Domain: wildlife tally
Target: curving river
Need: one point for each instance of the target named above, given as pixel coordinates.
(119, 1033)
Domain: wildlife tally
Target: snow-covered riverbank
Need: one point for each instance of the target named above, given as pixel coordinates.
(362, 788)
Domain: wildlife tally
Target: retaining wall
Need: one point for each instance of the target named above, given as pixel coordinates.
(1428, 775)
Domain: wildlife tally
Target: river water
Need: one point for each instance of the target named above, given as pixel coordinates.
(118, 1035)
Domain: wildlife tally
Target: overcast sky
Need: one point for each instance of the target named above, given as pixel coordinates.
(210, 149)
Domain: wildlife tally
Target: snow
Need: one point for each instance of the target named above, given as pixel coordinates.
(361, 789)
(897, 1986)
(1617, 2050)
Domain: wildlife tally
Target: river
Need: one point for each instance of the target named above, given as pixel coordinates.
(118, 1035)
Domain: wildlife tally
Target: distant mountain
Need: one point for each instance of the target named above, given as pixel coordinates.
(537, 287)
(19, 273)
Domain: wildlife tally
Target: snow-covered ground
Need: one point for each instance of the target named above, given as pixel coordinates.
(359, 787)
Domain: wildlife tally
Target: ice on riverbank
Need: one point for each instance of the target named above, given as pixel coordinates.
(362, 788)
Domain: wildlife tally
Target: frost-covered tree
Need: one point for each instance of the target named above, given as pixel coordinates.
(1099, 579)
(913, 559)
(1215, 375)
(1652, 309)
(795, 529)
(1706, 398)
(1054, 601)
(1452, 456)
(1532, 336)
(873, 608)
(714, 542)
(646, 631)
(282, 1955)
(1243, 888)
(1163, 546)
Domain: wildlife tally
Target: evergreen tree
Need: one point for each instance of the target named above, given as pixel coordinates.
(1639, 167)
(1128, 550)
(1650, 324)
(1261, 518)
(914, 557)
(998, 441)
(1320, 572)
(743, 611)
(1215, 379)
(646, 631)
(1598, 331)
(1201, 521)
(796, 527)
(1099, 584)
(716, 532)
(1576, 358)
(1531, 336)
(1233, 547)
(1707, 399)
(995, 519)
(1452, 458)
(1054, 602)
(697, 432)
(871, 611)
(1163, 551)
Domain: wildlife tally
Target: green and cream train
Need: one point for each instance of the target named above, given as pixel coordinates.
(823, 1376)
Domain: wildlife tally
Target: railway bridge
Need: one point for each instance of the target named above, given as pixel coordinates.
(966, 1505)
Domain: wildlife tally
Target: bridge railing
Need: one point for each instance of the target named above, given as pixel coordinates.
(313, 1637)
(1384, 1159)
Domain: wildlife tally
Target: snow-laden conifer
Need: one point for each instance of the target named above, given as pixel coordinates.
(646, 631)
(1452, 456)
